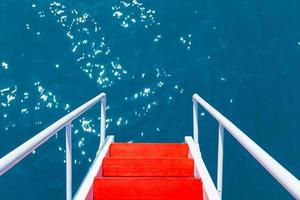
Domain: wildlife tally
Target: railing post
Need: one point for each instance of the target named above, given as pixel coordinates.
(195, 120)
(68, 161)
(102, 120)
(220, 159)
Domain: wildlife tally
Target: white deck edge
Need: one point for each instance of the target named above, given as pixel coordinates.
(85, 189)
(209, 189)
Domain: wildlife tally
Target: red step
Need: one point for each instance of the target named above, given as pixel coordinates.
(147, 188)
(140, 171)
(148, 167)
(148, 150)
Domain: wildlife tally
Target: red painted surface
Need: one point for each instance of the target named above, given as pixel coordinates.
(148, 167)
(148, 171)
(148, 150)
(148, 188)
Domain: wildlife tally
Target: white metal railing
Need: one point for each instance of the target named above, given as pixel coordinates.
(283, 176)
(12, 158)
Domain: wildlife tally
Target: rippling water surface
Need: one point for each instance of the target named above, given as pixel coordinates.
(149, 57)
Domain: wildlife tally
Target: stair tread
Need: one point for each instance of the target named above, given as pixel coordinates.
(147, 188)
(140, 171)
(148, 150)
(138, 166)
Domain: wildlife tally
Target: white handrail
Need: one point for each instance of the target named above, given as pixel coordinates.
(12, 158)
(283, 176)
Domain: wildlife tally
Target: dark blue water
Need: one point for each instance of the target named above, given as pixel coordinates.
(149, 57)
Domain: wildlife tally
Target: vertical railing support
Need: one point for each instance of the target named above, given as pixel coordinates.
(220, 159)
(195, 121)
(69, 161)
(102, 120)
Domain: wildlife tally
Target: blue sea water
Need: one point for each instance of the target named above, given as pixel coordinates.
(149, 57)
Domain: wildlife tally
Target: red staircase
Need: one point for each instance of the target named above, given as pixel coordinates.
(140, 171)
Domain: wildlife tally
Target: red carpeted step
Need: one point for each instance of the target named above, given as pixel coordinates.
(148, 167)
(148, 150)
(147, 188)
